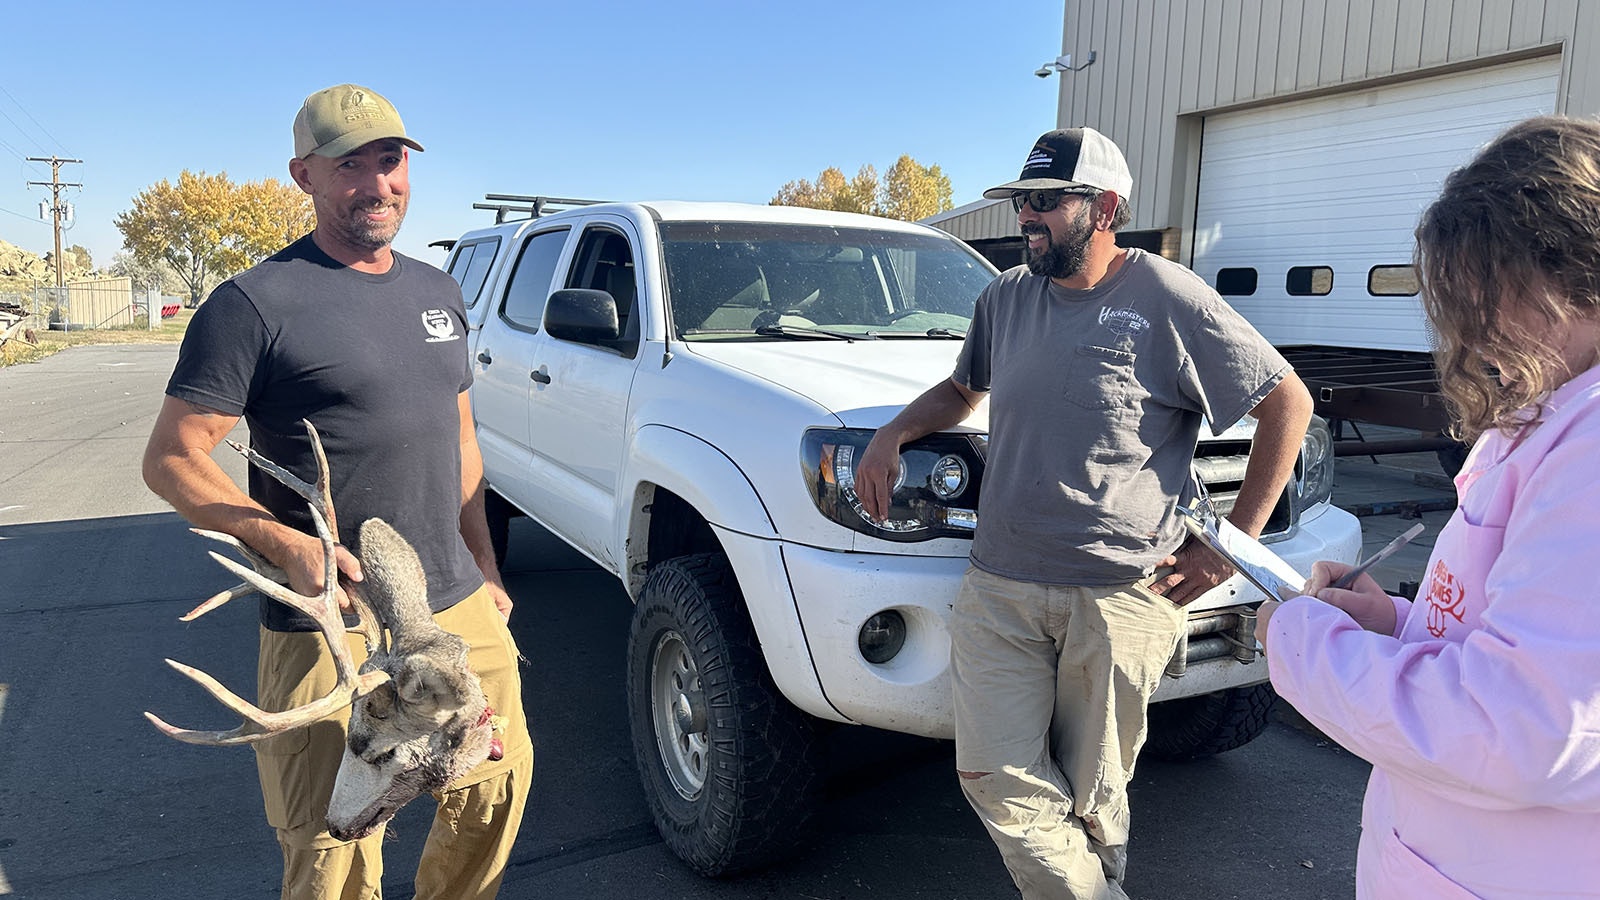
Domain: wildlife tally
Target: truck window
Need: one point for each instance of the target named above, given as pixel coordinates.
(523, 307)
(730, 280)
(470, 268)
(604, 262)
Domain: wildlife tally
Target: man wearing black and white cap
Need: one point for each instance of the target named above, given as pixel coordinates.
(1100, 363)
(369, 346)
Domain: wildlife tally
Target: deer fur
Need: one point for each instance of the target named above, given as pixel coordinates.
(424, 727)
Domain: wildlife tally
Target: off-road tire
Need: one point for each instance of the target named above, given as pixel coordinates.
(761, 780)
(1197, 727)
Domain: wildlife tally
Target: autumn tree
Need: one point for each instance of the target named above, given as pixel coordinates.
(912, 191)
(908, 191)
(206, 228)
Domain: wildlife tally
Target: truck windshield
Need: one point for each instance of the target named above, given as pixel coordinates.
(736, 280)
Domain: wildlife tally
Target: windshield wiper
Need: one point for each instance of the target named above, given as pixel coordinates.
(796, 331)
(950, 333)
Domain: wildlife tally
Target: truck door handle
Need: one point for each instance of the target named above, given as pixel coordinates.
(484, 357)
(540, 376)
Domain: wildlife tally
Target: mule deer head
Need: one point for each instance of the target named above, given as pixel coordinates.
(418, 715)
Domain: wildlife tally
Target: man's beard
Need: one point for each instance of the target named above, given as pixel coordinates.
(356, 231)
(1061, 258)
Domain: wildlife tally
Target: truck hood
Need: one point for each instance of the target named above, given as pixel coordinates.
(864, 383)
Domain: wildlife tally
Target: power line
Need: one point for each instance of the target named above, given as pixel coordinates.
(20, 215)
(30, 118)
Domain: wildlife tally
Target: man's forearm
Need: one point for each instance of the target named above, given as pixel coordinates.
(1281, 427)
(938, 408)
(207, 498)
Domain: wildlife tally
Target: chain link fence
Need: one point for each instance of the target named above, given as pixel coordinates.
(101, 303)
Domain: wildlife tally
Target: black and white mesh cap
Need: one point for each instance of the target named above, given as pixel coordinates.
(1071, 157)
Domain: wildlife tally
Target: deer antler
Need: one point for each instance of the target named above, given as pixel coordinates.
(324, 608)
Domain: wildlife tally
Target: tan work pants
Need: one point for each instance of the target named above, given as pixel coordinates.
(477, 817)
(1051, 686)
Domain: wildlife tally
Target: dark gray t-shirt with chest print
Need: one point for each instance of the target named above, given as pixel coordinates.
(376, 362)
(1096, 402)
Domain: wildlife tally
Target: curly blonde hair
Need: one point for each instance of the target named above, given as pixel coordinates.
(1508, 255)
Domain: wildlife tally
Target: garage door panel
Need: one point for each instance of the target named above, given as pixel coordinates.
(1339, 181)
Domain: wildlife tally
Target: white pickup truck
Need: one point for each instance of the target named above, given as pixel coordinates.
(680, 391)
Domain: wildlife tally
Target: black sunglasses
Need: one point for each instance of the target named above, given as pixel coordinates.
(1044, 201)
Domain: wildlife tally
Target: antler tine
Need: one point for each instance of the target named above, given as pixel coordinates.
(260, 724)
(258, 562)
(323, 608)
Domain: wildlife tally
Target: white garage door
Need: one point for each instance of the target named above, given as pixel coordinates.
(1301, 202)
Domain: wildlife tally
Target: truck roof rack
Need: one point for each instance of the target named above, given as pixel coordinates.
(527, 206)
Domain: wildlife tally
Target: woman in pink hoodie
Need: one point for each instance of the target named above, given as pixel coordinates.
(1478, 705)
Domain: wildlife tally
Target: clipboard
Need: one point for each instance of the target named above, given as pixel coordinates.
(1260, 566)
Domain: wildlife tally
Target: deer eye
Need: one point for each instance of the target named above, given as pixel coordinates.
(383, 757)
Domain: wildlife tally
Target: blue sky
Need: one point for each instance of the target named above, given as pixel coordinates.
(694, 99)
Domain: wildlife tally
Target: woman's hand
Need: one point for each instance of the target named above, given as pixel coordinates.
(1364, 601)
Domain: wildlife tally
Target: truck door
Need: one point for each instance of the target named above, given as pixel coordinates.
(580, 398)
(502, 363)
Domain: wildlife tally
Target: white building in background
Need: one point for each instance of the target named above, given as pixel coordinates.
(1284, 150)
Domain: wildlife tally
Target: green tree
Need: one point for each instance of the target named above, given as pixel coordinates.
(206, 228)
(157, 276)
(908, 191)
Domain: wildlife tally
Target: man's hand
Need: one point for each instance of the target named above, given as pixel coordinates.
(876, 474)
(1196, 569)
(1365, 601)
(303, 563)
(502, 600)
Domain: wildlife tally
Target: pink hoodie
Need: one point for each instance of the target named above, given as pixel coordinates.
(1481, 716)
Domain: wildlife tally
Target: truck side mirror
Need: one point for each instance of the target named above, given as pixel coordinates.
(581, 315)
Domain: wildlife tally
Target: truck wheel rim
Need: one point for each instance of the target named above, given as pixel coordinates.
(677, 710)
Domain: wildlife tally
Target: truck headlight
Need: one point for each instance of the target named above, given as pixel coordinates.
(935, 494)
(1314, 470)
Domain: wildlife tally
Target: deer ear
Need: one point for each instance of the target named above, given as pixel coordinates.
(419, 682)
(422, 683)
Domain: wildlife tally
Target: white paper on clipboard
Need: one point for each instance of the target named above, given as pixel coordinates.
(1259, 565)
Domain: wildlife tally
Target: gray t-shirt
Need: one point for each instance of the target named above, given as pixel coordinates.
(1096, 400)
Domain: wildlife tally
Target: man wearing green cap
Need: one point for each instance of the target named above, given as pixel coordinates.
(369, 345)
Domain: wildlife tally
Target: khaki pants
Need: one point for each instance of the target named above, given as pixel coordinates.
(477, 817)
(1051, 686)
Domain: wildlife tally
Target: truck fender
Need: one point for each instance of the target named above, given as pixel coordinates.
(699, 473)
(705, 478)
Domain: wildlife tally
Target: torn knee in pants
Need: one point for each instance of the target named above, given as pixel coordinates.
(971, 775)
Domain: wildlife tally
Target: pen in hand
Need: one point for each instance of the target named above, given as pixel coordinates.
(1349, 578)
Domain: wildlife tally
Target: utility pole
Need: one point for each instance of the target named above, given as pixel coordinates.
(58, 209)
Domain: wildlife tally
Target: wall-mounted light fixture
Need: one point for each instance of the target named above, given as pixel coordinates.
(1064, 64)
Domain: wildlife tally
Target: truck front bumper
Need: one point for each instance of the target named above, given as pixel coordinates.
(834, 593)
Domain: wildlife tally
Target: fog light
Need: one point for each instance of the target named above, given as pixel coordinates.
(882, 636)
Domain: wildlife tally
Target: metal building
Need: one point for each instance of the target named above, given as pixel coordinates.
(1284, 150)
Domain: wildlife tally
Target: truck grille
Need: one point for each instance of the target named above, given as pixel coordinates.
(1221, 464)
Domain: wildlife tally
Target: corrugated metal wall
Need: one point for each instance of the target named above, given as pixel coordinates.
(100, 303)
(1161, 64)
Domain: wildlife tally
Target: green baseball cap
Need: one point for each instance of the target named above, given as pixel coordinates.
(334, 121)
